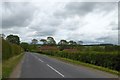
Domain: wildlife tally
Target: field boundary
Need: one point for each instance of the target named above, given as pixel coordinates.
(84, 64)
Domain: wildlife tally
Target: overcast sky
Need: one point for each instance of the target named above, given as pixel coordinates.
(90, 22)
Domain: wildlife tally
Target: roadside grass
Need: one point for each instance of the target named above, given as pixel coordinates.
(0, 69)
(90, 65)
(86, 65)
(9, 65)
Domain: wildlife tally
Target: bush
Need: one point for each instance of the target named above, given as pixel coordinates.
(105, 56)
(10, 50)
(109, 60)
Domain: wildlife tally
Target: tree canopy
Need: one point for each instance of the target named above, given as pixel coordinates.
(44, 41)
(51, 41)
(34, 41)
(13, 39)
(25, 46)
(63, 42)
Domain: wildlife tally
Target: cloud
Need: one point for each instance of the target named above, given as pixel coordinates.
(119, 15)
(112, 37)
(90, 22)
(83, 8)
(16, 14)
(79, 8)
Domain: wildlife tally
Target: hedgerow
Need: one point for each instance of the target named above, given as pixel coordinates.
(10, 50)
(109, 60)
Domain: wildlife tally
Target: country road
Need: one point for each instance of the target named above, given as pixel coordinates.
(36, 65)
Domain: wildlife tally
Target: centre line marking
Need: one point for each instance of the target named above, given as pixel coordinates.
(55, 70)
(40, 60)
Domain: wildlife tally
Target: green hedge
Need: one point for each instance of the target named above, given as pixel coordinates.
(10, 50)
(109, 60)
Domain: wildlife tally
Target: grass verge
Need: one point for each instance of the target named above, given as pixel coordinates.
(9, 65)
(0, 70)
(86, 64)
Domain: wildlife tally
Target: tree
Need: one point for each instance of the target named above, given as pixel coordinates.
(44, 41)
(51, 41)
(13, 39)
(25, 46)
(2, 36)
(80, 42)
(63, 42)
(34, 41)
(72, 43)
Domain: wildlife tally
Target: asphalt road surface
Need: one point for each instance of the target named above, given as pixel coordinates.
(40, 66)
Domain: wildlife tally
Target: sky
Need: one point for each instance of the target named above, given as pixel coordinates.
(90, 22)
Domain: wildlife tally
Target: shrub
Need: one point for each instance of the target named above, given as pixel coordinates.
(109, 60)
(10, 50)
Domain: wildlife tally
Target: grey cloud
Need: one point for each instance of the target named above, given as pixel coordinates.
(46, 31)
(107, 39)
(118, 15)
(51, 21)
(84, 8)
(106, 6)
(119, 37)
(119, 22)
(114, 26)
(46, 23)
(12, 30)
(79, 8)
(75, 8)
(16, 14)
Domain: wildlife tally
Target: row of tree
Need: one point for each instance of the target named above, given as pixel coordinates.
(51, 41)
(15, 40)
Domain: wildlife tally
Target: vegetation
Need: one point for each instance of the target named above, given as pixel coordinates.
(11, 54)
(51, 41)
(13, 39)
(10, 50)
(25, 46)
(79, 63)
(48, 41)
(44, 41)
(108, 60)
(8, 65)
(34, 41)
(101, 55)
(0, 70)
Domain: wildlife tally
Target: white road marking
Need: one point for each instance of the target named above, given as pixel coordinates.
(55, 70)
(37, 58)
(40, 60)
